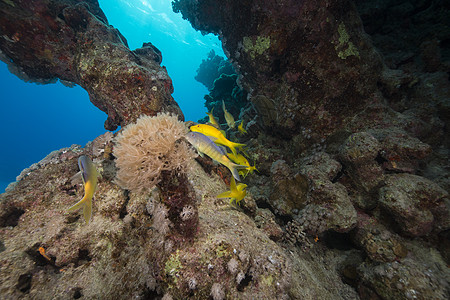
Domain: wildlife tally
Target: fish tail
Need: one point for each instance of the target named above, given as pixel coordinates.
(234, 170)
(233, 147)
(86, 204)
(87, 211)
(235, 173)
(77, 205)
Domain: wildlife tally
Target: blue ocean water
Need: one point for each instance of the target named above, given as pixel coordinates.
(37, 119)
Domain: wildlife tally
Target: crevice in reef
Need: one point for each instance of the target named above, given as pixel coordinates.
(123, 210)
(11, 216)
(244, 282)
(24, 283)
(77, 293)
(37, 254)
(337, 240)
(83, 257)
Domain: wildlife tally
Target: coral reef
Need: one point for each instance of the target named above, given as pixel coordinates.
(221, 80)
(351, 198)
(211, 68)
(369, 132)
(132, 247)
(72, 40)
(292, 59)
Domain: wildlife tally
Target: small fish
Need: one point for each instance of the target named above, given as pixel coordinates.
(213, 120)
(204, 145)
(236, 192)
(217, 136)
(89, 175)
(42, 252)
(241, 160)
(241, 128)
(228, 117)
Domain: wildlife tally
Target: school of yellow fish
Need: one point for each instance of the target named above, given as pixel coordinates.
(210, 139)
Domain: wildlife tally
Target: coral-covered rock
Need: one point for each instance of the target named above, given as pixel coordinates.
(265, 220)
(300, 61)
(328, 204)
(416, 204)
(211, 68)
(422, 275)
(379, 244)
(289, 190)
(402, 151)
(359, 153)
(71, 40)
(360, 148)
(142, 244)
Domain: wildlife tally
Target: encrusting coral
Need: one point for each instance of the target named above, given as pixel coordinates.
(148, 147)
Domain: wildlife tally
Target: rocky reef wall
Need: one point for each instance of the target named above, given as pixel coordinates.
(351, 197)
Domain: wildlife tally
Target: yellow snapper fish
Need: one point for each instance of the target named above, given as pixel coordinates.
(217, 136)
(89, 175)
(213, 120)
(241, 128)
(236, 192)
(228, 117)
(241, 160)
(204, 145)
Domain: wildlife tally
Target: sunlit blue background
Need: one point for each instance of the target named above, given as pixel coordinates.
(37, 119)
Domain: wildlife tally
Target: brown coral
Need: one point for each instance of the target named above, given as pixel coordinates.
(145, 149)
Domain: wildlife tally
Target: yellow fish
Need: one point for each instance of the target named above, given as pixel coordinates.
(217, 136)
(241, 128)
(213, 120)
(236, 192)
(89, 175)
(228, 117)
(241, 160)
(204, 145)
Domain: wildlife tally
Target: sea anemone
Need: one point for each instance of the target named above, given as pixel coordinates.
(150, 146)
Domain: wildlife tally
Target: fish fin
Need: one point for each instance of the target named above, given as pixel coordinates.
(233, 147)
(226, 194)
(234, 170)
(87, 211)
(233, 184)
(76, 179)
(77, 205)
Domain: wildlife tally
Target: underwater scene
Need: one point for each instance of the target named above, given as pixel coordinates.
(206, 149)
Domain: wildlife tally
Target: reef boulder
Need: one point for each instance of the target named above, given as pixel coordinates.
(417, 204)
(44, 40)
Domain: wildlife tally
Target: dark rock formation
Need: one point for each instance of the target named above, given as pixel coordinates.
(211, 68)
(71, 40)
(221, 80)
(304, 63)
